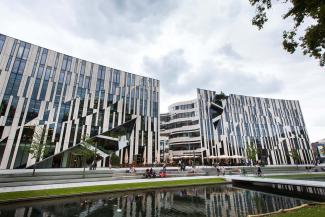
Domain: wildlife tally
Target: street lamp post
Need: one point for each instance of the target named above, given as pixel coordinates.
(193, 157)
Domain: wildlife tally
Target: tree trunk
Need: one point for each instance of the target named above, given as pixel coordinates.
(34, 169)
(84, 171)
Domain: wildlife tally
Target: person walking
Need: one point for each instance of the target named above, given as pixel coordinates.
(259, 170)
(164, 168)
(218, 171)
(223, 170)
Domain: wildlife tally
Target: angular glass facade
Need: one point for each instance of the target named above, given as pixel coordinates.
(218, 128)
(275, 127)
(67, 98)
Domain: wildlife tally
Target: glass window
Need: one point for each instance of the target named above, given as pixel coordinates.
(26, 86)
(61, 78)
(15, 66)
(11, 55)
(56, 60)
(2, 41)
(98, 85)
(40, 72)
(68, 78)
(64, 63)
(47, 73)
(44, 55)
(69, 63)
(20, 51)
(144, 81)
(22, 66)
(101, 72)
(26, 52)
(87, 82)
(43, 90)
(116, 77)
(81, 80)
(129, 80)
(82, 69)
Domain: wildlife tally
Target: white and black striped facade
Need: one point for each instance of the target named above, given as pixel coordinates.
(67, 98)
(274, 126)
(224, 125)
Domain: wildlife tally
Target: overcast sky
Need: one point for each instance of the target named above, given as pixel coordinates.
(186, 44)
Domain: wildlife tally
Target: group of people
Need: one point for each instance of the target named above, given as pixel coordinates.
(258, 170)
(150, 173)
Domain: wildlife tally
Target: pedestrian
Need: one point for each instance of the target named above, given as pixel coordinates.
(93, 165)
(218, 171)
(164, 168)
(183, 166)
(147, 173)
(243, 171)
(259, 170)
(110, 163)
(133, 170)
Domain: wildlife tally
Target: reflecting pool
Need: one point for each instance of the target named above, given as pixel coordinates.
(218, 200)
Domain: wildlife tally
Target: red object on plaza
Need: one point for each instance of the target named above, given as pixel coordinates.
(162, 174)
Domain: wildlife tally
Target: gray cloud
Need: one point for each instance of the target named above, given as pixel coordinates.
(235, 81)
(168, 69)
(129, 19)
(179, 77)
(103, 20)
(208, 18)
(228, 51)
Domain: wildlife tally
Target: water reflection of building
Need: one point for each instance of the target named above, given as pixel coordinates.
(200, 201)
(236, 202)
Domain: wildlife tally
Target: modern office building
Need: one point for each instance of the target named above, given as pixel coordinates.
(181, 126)
(319, 150)
(66, 100)
(228, 124)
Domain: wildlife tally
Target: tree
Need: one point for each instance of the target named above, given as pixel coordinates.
(294, 153)
(38, 147)
(312, 41)
(251, 152)
(85, 152)
(115, 160)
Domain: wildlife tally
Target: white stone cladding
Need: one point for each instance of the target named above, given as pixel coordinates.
(69, 98)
